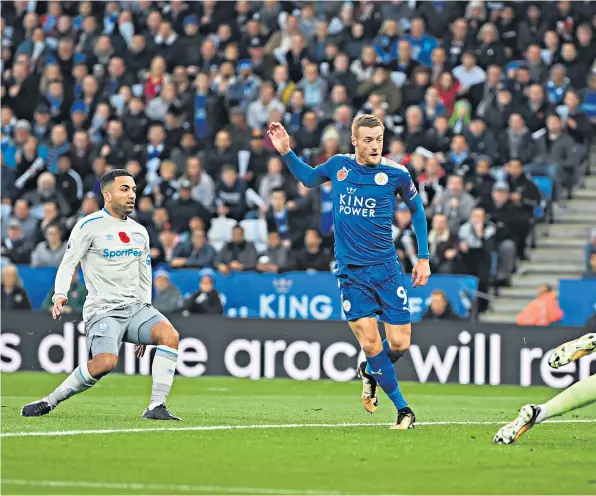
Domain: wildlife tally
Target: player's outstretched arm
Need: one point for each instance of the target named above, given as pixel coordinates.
(421, 271)
(307, 175)
(78, 244)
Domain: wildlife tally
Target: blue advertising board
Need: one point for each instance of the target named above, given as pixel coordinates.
(577, 299)
(292, 295)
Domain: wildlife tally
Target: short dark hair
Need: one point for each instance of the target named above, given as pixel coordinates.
(110, 176)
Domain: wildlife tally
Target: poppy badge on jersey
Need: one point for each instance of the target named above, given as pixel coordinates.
(342, 174)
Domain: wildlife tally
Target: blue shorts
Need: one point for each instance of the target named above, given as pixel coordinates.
(371, 290)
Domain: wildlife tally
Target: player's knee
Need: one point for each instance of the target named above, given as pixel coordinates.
(400, 341)
(102, 365)
(169, 337)
(371, 346)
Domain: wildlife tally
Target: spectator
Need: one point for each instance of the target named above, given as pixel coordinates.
(221, 155)
(76, 297)
(590, 248)
(504, 215)
(439, 308)
(576, 122)
(196, 254)
(14, 296)
(481, 140)
(516, 143)
(431, 183)
(253, 161)
(479, 183)
(69, 183)
(274, 179)
(22, 214)
(313, 86)
(238, 128)
(282, 220)
(203, 189)
(381, 83)
(490, 51)
(49, 253)
(443, 247)
(559, 152)
(275, 257)
(314, 257)
(259, 110)
(15, 247)
(183, 208)
(532, 29)
(536, 109)
(205, 300)
(543, 310)
(591, 273)
(525, 196)
(238, 255)
(449, 90)
(468, 73)
(455, 203)
(476, 244)
(438, 138)
(167, 298)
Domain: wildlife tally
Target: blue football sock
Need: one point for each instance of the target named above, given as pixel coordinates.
(387, 350)
(384, 373)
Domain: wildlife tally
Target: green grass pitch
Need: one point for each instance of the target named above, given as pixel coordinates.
(450, 458)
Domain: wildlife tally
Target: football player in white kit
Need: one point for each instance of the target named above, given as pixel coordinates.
(113, 250)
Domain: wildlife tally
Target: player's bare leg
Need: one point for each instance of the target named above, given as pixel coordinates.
(573, 351)
(84, 377)
(166, 338)
(379, 367)
(397, 345)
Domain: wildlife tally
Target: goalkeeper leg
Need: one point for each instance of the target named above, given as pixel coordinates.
(581, 394)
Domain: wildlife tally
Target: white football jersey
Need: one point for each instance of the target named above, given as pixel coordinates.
(116, 262)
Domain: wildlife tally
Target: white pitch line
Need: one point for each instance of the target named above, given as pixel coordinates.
(135, 430)
(132, 486)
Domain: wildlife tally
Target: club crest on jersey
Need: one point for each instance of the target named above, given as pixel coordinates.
(347, 306)
(138, 238)
(381, 178)
(342, 174)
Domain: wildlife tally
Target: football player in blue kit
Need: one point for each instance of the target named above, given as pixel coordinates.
(370, 277)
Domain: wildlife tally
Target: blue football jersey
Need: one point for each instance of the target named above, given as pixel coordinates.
(363, 207)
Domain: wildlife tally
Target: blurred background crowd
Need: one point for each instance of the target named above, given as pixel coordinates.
(479, 100)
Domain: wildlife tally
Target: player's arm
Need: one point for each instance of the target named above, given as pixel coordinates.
(78, 244)
(407, 190)
(145, 272)
(307, 175)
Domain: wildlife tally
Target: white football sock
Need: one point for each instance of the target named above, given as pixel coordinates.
(78, 381)
(164, 368)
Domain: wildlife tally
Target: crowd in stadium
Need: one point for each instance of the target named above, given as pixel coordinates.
(475, 97)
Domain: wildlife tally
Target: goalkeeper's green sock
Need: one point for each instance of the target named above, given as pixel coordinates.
(581, 394)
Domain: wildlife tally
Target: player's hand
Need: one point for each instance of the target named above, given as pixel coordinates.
(421, 272)
(140, 350)
(279, 138)
(57, 308)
